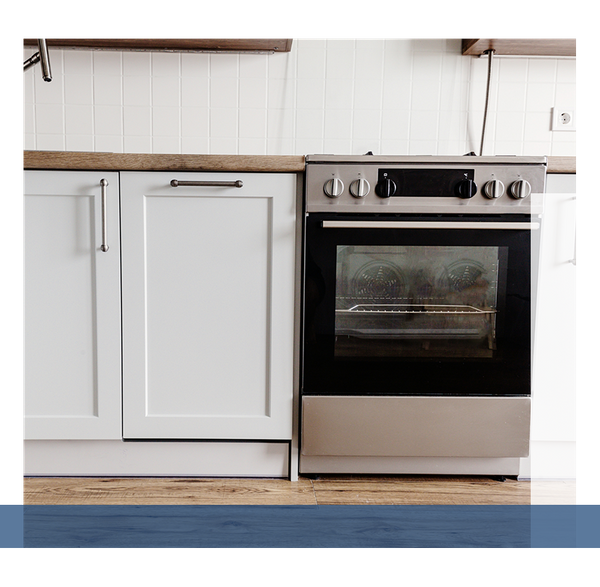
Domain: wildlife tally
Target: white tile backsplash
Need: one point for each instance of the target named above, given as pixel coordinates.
(389, 96)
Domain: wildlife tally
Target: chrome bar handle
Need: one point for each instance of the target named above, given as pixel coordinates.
(104, 245)
(228, 184)
(430, 224)
(575, 261)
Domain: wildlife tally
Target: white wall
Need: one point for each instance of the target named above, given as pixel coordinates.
(332, 96)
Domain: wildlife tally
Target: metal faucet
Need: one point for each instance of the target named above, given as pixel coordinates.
(43, 56)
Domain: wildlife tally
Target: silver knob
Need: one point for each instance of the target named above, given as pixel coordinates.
(520, 189)
(333, 187)
(493, 189)
(359, 188)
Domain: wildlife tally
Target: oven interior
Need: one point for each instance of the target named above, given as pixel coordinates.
(416, 300)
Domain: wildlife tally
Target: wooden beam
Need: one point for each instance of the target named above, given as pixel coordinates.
(184, 45)
(544, 47)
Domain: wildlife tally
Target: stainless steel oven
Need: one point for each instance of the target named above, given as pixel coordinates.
(418, 313)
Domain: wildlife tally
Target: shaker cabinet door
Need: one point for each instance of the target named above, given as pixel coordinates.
(72, 306)
(553, 397)
(208, 306)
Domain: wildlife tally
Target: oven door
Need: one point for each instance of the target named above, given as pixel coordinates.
(417, 305)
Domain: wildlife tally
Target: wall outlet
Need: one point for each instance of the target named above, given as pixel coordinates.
(563, 119)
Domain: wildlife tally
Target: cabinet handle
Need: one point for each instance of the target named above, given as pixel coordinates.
(104, 246)
(227, 184)
(575, 261)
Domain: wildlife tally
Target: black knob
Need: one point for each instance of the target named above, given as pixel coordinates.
(385, 188)
(466, 188)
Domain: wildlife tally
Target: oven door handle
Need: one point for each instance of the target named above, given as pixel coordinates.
(433, 224)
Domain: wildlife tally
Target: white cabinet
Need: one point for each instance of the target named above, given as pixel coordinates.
(185, 323)
(72, 306)
(553, 432)
(208, 306)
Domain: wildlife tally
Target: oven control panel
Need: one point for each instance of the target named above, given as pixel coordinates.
(420, 187)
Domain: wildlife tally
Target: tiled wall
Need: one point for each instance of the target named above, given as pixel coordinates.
(331, 96)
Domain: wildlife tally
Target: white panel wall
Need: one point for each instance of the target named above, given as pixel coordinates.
(332, 96)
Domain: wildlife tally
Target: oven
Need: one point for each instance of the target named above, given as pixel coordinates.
(418, 314)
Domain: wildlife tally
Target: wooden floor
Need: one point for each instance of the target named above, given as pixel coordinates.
(330, 489)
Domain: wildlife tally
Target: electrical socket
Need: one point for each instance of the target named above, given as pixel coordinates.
(563, 119)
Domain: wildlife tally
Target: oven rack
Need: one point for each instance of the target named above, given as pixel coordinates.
(396, 309)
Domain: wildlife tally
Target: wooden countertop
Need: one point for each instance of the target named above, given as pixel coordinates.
(88, 161)
(79, 160)
(561, 165)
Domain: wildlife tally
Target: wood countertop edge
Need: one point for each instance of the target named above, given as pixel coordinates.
(79, 160)
(562, 164)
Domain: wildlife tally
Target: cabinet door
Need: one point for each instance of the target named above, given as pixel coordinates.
(553, 407)
(72, 306)
(208, 305)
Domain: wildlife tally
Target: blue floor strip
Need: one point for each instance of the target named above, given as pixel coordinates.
(351, 526)
(11, 526)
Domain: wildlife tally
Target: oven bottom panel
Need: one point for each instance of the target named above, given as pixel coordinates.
(409, 465)
(383, 426)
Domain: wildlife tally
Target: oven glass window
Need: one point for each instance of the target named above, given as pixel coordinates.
(417, 301)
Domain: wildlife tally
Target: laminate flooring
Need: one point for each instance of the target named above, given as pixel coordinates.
(325, 490)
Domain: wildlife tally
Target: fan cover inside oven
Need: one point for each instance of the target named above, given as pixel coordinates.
(378, 280)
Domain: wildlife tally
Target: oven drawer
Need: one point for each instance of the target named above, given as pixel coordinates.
(415, 426)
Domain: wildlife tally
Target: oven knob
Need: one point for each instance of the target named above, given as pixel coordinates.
(520, 189)
(385, 188)
(333, 187)
(493, 189)
(359, 188)
(466, 188)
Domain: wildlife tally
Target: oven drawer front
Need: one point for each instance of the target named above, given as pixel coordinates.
(415, 426)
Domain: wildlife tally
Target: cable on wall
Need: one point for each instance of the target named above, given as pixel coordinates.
(491, 54)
